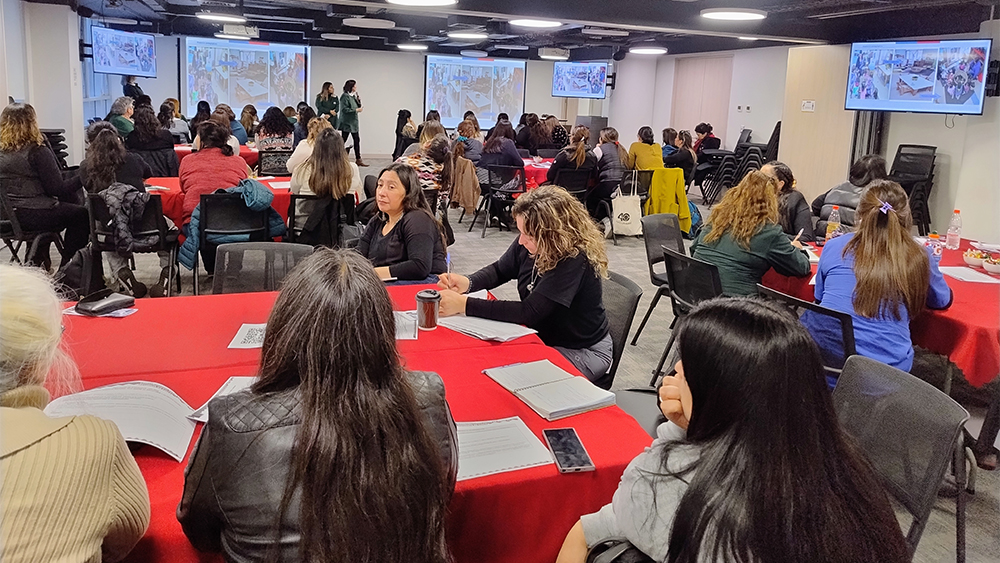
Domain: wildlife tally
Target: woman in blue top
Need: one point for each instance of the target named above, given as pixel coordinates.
(882, 277)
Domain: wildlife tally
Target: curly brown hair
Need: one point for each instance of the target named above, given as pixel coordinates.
(19, 127)
(561, 227)
(745, 209)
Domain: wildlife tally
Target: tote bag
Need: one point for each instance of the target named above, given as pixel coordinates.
(626, 210)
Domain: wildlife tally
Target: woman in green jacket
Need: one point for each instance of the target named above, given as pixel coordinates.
(327, 104)
(350, 107)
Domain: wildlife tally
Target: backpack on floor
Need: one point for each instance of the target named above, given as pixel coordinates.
(82, 275)
(696, 222)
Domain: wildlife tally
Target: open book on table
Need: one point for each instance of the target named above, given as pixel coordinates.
(549, 390)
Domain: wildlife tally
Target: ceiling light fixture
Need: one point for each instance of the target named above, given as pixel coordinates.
(733, 14)
(647, 50)
(467, 35)
(412, 46)
(221, 17)
(422, 2)
(748, 38)
(553, 54)
(370, 23)
(473, 53)
(512, 47)
(340, 37)
(118, 21)
(537, 24)
(600, 32)
(234, 37)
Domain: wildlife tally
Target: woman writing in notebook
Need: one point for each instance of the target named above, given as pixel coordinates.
(558, 262)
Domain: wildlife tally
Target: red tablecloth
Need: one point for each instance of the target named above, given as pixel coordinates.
(173, 198)
(968, 332)
(535, 175)
(248, 154)
(518, 516)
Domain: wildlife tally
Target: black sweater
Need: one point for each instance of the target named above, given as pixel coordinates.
(413, 249)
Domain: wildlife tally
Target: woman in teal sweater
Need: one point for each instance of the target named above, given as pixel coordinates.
(744, 240)
(327, 104)
(350, 107)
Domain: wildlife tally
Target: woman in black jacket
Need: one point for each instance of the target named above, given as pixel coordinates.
(576, 156)
(336, 453)
(684, 157)
(793, 211)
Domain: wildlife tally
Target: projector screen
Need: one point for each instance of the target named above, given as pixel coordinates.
(580, 80)
(454, 85)
(919, 76)
(121, 52)
(242, 72)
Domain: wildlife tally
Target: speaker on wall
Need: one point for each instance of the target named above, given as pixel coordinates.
(620, 54)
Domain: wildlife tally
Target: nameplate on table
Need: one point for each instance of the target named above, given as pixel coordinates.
(234, 384)
(145, 412)
(549, 390)
(498, 446)
(249, 336)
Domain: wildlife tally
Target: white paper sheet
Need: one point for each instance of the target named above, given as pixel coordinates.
(481, 294)
(813, 257)
(232, 385)
(249, 336)
(498, 446)
(515, 377)
(968, 274)
(985, 246)
(812, 281)
(120, 313)
(485, 329)
(406, 325)
(145, 412)
(280, 185)
(156, 188)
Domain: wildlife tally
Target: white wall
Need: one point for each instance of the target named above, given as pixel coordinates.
(538, 91)
(633, 96)
(663, 98)
(758, 84)
(165, 84)
(13, 66)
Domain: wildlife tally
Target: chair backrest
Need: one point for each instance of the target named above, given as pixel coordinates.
(163, 162)
(227, 214)
(297, 203)
(744, 136)
(548, 153)
(9, 224)
(661, 230)
(691, 280)
(371, 184)
(834, 365)
(273, 162)
(637, 181)
(771, 152)
(431, 197)
(574, 181)
(102, 231)
(525, 153)
(913, 161)
(907, 427)
(245, 267)
(501, 179)
(621, 298)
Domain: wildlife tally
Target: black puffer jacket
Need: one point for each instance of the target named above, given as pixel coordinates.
(846, 196)
(236, 476)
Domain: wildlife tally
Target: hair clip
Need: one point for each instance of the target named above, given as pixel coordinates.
(886, 207)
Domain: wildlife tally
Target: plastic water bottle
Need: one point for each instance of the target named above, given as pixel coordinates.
(954, 238)
(935, 244)
(833, 229)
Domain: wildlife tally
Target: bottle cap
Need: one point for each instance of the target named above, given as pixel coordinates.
(934, 235)
(836, 207)
(956, 211)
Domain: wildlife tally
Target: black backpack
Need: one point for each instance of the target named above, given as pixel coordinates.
(82, 275)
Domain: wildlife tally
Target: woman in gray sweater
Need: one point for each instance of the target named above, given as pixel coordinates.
(753, 464)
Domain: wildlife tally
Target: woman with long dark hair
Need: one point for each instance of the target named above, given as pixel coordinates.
(356, 461)
(706, 139)
(793, 211)
(327, 103)
(669, 136)
(171, 122)
(350, 107)
(576, 155)
(644, 153)
(500, 149)
(753, 465)
(847, 196)
(403, 241)
(327, 172)
(106, 161)
(557, 132)
(274, 132)
(881, 276)
(203, 112)
(149, 134)
(406, 132)
(305, 114)
(684, 157)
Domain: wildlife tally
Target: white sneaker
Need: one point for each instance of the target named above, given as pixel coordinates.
(608, 229)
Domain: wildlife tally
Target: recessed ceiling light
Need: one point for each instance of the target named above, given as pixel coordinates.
(473, 53)
(412, 46)
(599, 32)
(748, 38)
(423, 2)
(733, 14)
(370, 23)
(340, 37)
(648, 50)
(553, 57)
(236, 37)
(467, 35)
(221, 17)
(512, 47)
(540, 24)
(118, 21)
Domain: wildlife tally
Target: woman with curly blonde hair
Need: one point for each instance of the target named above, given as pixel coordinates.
(744, 240)
(558, 262)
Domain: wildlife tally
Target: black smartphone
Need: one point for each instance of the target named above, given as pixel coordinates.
(568, 450)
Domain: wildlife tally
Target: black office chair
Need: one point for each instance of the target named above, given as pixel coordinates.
(691, 281)
(224, 214)
(524, 153)
(371, 184)
(273, 162)
(621, 298)
(504, 183)
(14, 235)
(548, 153)
(913, 169)
(300, 205)
(163, 162)
(153, 224)
(910, 432)
(662, 230)
(575, 182)
(246, 267)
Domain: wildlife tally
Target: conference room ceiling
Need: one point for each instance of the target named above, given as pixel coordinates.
(592, 29)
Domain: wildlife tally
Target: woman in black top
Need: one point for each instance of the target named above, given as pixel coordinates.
(499, 149)
(576, 156)
(557, 132)
(534, 135)
(107, 161)
(403, 241)
(203, 112)
(149, 134)
(794, 214)
(558, 262)
(684, 157)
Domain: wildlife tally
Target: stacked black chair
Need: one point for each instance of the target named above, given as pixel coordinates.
(752, 160)
(224, 214)
(57, 140)
(14, 235)
(273, 163)
(659, 231)
(240, 269)
(722, 179)
(913, 169)
(621, 298)
(505, 182)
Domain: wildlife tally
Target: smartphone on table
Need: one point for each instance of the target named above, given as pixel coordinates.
(568, 450)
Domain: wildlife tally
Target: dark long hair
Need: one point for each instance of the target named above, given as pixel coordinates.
(439, 150)
(166, 115)
(867, 169)
(305, 115)
(373, 486)
(784, 174)
(537, 133)
(402, 118)
(772, 456)
(433, 115)
(330, 169)
(646, 135)
(203, 112)
(494, 143)
(215, 135)
(610, 135)
(577, 148)
(147, 126)
(274, 124)
(105, 155)
(324, 92)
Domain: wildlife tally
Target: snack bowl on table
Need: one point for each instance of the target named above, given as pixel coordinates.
(992, 265)
(974, 258)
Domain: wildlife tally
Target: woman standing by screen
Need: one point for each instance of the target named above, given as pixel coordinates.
(327, 103)
(350, 107)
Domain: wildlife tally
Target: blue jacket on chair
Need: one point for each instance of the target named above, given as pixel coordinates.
(257, 197)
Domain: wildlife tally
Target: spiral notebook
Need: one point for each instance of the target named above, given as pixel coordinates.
(549, 390)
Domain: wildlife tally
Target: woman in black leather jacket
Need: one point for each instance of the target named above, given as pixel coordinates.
(336, 453)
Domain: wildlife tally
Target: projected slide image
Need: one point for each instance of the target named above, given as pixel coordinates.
(960, 75)
(871, 70)
(208, 75)
(913, 74)
(288, 78)
(249, 78)
(579, 80)
(120, 52)
(487, 87)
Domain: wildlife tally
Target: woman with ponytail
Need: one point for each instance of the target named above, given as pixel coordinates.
(576, 155)
(644, 153)
(881, 276)
(612, 161)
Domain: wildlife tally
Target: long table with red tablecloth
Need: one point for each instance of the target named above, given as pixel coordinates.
(520, 516)
(968, 332)
(248, 154)
(173, 198)
(536, 173)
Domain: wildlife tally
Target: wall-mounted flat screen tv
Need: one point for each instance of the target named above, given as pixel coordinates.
(919, 76)
(122, 52)
(580, 80)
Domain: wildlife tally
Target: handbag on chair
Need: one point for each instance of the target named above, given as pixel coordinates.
(626, 210)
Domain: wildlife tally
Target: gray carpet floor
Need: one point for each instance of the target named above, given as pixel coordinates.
(470, 252)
